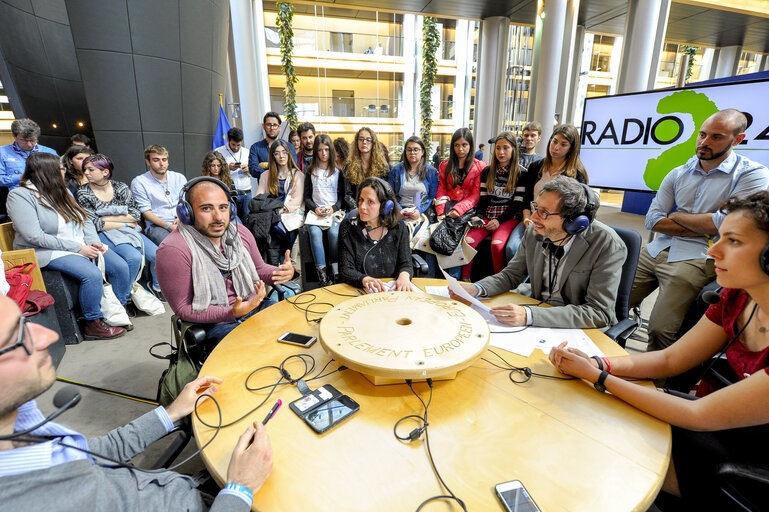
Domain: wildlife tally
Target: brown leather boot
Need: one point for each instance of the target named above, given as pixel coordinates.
(99, 330)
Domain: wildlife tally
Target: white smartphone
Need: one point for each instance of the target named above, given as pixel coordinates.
(300, 340)
(515, 497)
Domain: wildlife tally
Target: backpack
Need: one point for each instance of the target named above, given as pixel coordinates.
(182, 368)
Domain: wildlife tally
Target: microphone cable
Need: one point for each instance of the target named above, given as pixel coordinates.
(525, 372)
(415, 434)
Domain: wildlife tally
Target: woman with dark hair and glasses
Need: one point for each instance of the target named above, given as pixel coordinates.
(111, 208)
(373, 244)
(47, 218)
(414, 181)
(727, 424)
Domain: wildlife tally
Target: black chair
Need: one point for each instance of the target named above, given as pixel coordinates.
(626, 326)
(744, 486)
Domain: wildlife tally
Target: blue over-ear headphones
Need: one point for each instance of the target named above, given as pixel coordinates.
(578, 224)
(184, 211)
(386, 207)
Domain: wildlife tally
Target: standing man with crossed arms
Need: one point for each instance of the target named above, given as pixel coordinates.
(685, 214)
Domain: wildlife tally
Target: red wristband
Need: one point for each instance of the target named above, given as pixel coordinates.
(606, 363)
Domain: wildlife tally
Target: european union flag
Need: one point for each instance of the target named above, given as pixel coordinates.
(222, 127)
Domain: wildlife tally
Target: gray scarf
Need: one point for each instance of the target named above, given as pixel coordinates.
(209, 262)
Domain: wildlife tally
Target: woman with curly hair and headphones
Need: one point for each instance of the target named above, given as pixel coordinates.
(373, 244)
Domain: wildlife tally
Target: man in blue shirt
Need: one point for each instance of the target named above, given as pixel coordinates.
(479, 153)
(39, 469)
(13, 157)
(685, 214)
(259, 153)
(157, 194)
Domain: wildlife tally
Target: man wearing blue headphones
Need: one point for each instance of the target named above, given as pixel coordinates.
(574, 263)
(210, 269)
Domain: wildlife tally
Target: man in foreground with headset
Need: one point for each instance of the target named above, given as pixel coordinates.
(574, 262)
(210, 269)
(50, 469)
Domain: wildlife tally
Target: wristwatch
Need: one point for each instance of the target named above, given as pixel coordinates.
(599, 384)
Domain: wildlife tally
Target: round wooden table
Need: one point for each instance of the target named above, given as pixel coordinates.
(572, 447)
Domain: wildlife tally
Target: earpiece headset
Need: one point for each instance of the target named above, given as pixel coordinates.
(579, 223)
(184, 211)
(763, 259)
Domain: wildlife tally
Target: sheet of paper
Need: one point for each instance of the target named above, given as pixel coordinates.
(525, 341)
(440, 291)
(455, 287)
(494, 324)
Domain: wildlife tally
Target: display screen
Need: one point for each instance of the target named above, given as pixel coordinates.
(297, 339)
(518, 500)
(328, 414)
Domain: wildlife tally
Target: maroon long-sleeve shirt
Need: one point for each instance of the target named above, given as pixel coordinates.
(174, 271)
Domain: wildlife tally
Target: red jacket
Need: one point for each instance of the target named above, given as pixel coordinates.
(467, 194)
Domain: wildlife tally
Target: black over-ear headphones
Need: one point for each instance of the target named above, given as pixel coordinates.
(763, 259)
(386, 207)
(579, 223)
(184, 211)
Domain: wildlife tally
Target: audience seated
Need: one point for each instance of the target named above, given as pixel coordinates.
(13, 156)
(80, 139)
(214, 166)
(505, 189)
(47, 468)
(459, 184)
(724, 425)
(324, 187)
(237, 158)
(296, 142)
(156, 193)
(530, 137)
(574, 263)
(204, 280)
(112, 210)
(342, 152)
(373, 244)
(684, 213)
(281, 190)
(414, 181)
(306, 133)
(366, 159)
(47, 218)
(73, 167)
(562, 158)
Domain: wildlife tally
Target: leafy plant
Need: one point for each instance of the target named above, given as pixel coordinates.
(431, 43)
(690, 51)
(285, 18)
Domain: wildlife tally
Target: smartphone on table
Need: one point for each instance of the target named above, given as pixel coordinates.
(515, 497)
(300, 340)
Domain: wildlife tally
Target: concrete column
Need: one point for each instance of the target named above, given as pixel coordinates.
(569, 63)
(764, 63)
(462, 53)
(408, 111)
(490, 76)
(550, 23)
(247, 18)
(659, 43)
(641, 37)
(727, 61)
(577, 56)
(707, 69)
(615, 62)
(581, 90)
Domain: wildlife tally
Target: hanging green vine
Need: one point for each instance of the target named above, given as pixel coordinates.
(431, 42)
(285, 17)
(690, 51)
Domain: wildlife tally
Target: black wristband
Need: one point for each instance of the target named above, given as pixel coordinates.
(599, 361)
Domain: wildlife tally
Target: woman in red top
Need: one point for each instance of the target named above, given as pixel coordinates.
(727, 424)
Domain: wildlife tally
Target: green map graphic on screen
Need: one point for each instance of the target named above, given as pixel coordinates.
(700, 107)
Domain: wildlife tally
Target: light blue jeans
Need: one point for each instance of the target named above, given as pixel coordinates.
(133, 257)
(316, 243)
(514, 241)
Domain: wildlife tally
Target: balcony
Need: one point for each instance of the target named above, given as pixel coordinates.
(340, 42)
(339, 106)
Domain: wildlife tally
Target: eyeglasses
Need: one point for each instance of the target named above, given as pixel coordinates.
(22, 341)
(413, 150)
(271, 125)
(539, 211)
(367, 140)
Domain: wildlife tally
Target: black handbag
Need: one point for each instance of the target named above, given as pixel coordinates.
(447, 236)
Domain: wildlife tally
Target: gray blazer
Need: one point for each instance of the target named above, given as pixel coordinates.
(80, 485)
(36, 226)
(591, 272)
